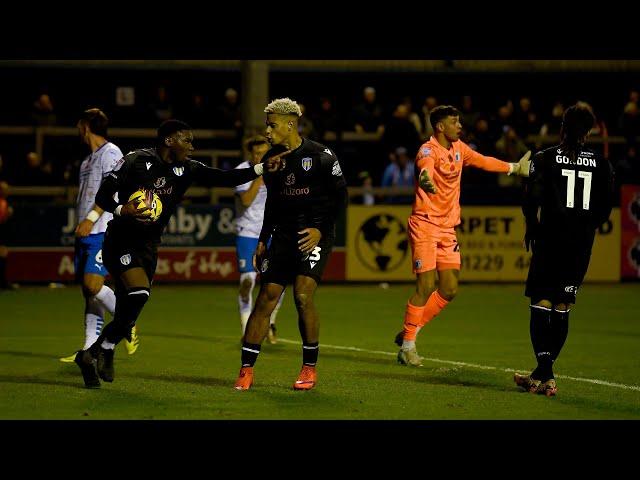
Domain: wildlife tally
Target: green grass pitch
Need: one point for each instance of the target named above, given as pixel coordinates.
(189, 358)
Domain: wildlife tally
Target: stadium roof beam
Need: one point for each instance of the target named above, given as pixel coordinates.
(345, 65)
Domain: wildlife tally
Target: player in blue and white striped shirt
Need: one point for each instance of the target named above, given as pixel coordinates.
(250, 202)
(91, 225)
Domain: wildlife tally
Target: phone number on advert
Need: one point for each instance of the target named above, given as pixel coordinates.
(492, 263)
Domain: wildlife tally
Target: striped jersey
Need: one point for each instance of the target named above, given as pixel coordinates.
(93, 170)
(249, 219)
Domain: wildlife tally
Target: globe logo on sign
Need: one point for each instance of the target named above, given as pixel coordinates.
(634, 254)
(381, 243)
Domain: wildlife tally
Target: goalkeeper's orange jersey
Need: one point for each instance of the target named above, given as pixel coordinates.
(445, 169)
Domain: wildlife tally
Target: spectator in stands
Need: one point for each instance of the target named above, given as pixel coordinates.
(161, 107)
(327, 121)
(413, 117)
(552, 125)
(630, 122)
(504, 117)
(400, 132)
(305, 125)
(34, 173)
(229, 115)
(481, 139)
(43, 112)
(599, 130)
(399, 173)
(429, 104)
(511, 148)
(197, 113)
(628, 168)
(468, 115)
(367, 116)
(5, 213)
(368, 198)
(525, 120)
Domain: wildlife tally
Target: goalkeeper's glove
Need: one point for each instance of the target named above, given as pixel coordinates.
(425, 182)
(522, 167)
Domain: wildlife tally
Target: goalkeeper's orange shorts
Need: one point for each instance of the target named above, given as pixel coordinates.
(432, 246)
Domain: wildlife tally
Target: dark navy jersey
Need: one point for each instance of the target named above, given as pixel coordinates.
(308, 192)
(145, 169)
(573, 190)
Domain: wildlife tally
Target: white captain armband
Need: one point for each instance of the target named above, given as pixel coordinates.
(258, 168)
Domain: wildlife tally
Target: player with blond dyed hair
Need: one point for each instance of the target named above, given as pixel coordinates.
(304, 199)
(436, 212)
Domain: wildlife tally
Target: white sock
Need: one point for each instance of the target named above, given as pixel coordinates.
(244, 318)
(408, 344)
(272, 319)
(93, 321)
(92, 327)
(107, 298)
(245, 307)
(108, 345)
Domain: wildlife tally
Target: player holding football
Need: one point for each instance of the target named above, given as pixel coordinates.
(571, 188)
(132, 237)
(431, 226)
(92, 223)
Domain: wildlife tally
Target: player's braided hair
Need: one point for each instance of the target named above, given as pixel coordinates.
(577, 122)
(284, 106)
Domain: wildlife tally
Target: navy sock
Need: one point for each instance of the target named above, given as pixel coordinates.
(250, 352)
(559, 331)
(541, 339)
(310, 353)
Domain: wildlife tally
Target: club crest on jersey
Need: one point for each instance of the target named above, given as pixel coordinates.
(160, 182)
(457, 156)
(125, 259)
(306, 163)
(336, 170)
(291, 179)
(178, 171)
(425, 151)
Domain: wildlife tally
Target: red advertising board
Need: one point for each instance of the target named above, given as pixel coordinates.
(630, 220)
(41, 264)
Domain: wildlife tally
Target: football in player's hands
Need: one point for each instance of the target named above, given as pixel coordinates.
(148, 205)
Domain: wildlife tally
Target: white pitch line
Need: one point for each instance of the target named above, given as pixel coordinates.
(472, 365)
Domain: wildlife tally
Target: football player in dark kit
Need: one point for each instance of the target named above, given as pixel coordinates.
(304, 199)
(132, 237)
(571, 187)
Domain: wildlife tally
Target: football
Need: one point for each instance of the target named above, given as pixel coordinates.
(148, 199)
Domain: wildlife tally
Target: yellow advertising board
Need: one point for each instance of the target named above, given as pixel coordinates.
(490, 241)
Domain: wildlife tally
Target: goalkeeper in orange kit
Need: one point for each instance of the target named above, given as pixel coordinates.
(431, 226)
